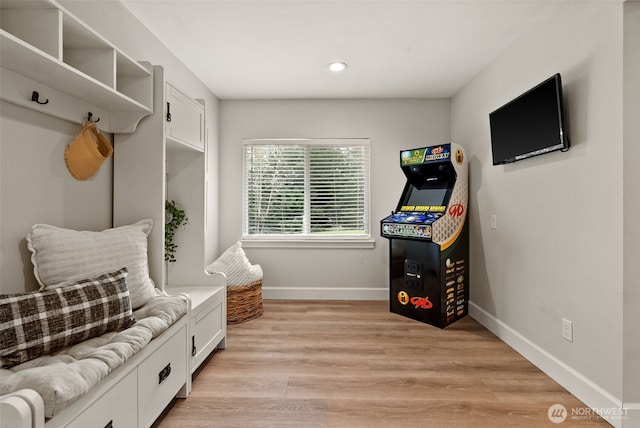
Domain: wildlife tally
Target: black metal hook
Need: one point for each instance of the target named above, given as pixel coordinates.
(35, 96)
(90, 115)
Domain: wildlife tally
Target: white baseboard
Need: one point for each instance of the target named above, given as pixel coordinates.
(631, 414)
(325, 293)
(576, 383)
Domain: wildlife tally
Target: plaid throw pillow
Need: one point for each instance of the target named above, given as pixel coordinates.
(43, 322)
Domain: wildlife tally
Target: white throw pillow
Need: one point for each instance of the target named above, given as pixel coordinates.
(236, 266)
(63, 256)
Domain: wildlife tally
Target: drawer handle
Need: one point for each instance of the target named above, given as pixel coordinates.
(164, 373)
(110, 424)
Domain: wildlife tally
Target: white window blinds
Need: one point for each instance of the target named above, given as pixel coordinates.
(306, 189)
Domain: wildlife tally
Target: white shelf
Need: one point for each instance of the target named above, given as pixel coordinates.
(46, 49)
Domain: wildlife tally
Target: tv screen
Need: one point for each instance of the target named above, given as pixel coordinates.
(530, 125)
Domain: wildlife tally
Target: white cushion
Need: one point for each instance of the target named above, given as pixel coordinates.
(63, 256)
(236, 266)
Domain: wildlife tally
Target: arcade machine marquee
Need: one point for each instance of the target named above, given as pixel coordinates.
(428, 237)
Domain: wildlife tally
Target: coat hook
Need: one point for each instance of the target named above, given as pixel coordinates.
(90, 115)
(35, 96)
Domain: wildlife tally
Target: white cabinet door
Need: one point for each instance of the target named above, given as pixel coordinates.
(208, 330)
(185, 119)
(208, 319)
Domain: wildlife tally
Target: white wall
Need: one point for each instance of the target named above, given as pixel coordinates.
(391, 125)
(557, 251)
(631, 197)
(35, 186)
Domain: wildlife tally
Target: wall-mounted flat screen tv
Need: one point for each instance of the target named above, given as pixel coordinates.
(530, 125)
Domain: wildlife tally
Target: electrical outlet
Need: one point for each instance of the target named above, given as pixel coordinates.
(567, 330)
(494, 221)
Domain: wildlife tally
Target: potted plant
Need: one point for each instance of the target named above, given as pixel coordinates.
(174, 218)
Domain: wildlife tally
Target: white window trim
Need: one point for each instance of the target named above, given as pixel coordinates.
(306, 241)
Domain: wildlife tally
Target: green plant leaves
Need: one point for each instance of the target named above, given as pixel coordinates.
(174, 218)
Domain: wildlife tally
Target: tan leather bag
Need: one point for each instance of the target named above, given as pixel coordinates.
(86, 153)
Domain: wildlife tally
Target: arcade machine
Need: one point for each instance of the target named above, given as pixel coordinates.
(428, 237)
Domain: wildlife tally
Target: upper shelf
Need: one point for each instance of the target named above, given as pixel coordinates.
(45, 48)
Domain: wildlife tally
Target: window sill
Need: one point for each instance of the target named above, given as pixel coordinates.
(308, 243)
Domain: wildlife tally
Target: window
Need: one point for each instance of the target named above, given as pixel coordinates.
(315, 189)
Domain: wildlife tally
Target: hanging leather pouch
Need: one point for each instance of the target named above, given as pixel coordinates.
(86, 153)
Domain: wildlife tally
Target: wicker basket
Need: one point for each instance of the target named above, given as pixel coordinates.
(244, 302)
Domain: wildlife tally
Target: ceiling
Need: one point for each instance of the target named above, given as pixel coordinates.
(269, 49)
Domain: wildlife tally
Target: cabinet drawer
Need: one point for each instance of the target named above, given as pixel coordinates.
(116, 407)
(160, 377)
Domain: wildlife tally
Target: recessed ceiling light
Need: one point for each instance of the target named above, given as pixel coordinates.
(337, 67)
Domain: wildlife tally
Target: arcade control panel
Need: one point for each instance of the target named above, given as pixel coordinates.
(409, 225)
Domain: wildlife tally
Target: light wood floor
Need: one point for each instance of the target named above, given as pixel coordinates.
(354, 364)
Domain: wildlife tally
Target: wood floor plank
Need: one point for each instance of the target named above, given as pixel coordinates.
(354, 364)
